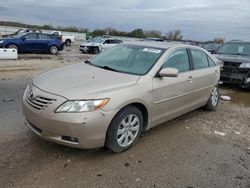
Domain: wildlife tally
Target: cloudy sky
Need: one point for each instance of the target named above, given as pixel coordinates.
(197, 19)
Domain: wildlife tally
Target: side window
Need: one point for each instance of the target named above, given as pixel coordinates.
(107, 42)
(211, 62)
(112, 42)
(179, 60)
(116, 41)
(199, 59)
(42, 36)
(31, 36)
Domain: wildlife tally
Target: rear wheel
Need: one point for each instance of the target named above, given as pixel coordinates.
(53, 50)
(213, 100)
(124, 129)
(68, 42)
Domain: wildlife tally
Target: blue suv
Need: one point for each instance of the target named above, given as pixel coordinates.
(33, 42)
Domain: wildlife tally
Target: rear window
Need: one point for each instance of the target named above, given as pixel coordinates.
(199, 59)
(211, 62)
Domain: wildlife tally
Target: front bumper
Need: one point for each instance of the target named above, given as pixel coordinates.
(242, 80)
(81, 130)
(85, 49)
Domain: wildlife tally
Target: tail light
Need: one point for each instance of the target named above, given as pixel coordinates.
(61, 39)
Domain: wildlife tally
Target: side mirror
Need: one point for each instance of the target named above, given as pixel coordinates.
(24, 38)
(169, 72)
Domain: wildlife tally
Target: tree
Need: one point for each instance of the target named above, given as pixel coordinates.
(219, 40)
(174, 35)
(153, 34)
(138, 33)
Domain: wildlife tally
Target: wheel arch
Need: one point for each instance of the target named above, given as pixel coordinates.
(142, 107)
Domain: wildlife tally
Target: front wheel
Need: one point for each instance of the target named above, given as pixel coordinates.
(124, 129)
(53, 50)
(213, 100)
(13, 46)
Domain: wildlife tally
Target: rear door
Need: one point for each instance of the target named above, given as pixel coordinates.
(42, 42)
(172, 96)
(205, 75)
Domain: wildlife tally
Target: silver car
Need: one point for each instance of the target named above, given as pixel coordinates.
(115, 96)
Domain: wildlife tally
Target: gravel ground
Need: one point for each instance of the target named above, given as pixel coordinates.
(185, 152)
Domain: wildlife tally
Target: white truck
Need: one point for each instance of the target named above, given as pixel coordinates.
(98, 44)
(67, 40)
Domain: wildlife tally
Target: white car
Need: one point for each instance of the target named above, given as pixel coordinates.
(67, 40)
(98, 44)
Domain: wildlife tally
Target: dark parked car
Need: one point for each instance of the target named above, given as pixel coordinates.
(236, 58)
(211, 47)
(33, 42)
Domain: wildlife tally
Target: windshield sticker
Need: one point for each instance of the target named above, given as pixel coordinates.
(241, 48)
(152, 50)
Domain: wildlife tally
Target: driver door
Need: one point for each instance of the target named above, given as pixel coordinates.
(28, 42)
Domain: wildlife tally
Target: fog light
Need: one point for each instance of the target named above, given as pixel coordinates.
(247, 80)
(70, 139)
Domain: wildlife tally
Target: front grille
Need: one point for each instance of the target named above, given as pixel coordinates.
(39, 102)
(231, 67)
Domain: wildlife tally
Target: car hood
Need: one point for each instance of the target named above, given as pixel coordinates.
(82, 81)
(233, 58)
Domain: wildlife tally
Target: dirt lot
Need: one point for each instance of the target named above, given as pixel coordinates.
(185, 152)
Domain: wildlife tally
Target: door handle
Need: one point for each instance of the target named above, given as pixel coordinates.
(190, 78)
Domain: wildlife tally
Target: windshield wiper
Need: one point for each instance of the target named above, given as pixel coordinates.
(108, 68)
(87, 62)
(232, 54)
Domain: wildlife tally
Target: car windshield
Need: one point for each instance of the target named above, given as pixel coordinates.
(131, 59)
(96, 40)
(235, 49)
(19, 35)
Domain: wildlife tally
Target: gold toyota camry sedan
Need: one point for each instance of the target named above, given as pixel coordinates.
(112, 98)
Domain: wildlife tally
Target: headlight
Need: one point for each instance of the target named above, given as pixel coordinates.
(82, 105)
(1, 41)
(245, 65)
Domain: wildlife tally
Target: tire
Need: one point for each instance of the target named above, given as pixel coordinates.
(213, 100)
(53, 50)
(96, 50)
(13, 46)
(68, 42)
(122, 134)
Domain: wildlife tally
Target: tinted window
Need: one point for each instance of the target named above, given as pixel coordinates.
(31, 36)
(179, 60)
(211, 62)
(115, 41)
(42, 36)
(107, 42)
(199, 59)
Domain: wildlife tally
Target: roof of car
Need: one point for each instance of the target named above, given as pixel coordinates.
(238, 41)
(164, 45)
